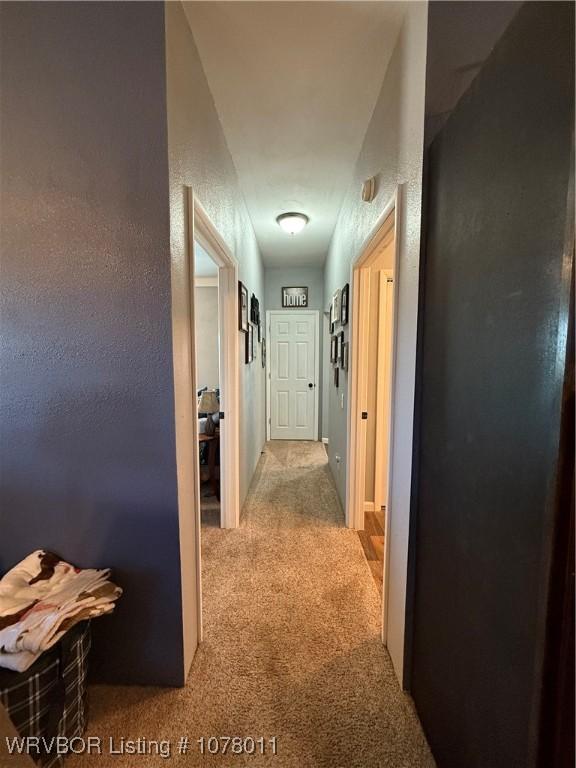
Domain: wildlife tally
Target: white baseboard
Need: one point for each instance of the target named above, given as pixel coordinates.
(325, 440)
(368, 506)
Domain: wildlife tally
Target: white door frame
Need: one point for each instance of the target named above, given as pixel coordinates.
(204, 231)
(383, 384)
(197, 225)
(356, 448)
(310, 312)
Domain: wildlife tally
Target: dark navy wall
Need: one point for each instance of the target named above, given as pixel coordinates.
(495, 304)
(88, 464)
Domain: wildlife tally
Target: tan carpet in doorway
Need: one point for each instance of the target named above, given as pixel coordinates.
(292, 646)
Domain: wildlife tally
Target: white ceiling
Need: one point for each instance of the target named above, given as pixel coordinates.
(294, 84)
(203, 264)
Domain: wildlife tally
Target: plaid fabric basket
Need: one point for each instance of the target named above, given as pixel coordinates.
(49, 699)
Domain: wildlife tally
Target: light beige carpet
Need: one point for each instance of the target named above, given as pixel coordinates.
(292, 642)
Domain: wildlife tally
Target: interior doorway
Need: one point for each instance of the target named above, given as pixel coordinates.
(208, 249)
(201, 234)
(292, 374)
(374, 300)
(208, 390)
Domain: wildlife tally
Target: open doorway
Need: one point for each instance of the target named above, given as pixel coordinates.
(213, 266)
(203, 242)
(207, 338)
(374, 299)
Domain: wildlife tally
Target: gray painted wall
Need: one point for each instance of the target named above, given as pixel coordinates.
(392, 150)
(199, 158)
(87, 449)
(312, 277)
(207, 335)
(275, 279)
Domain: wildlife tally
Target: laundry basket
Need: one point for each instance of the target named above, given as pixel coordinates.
(49, 699)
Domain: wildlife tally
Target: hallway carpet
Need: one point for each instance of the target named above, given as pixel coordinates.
(291, 642)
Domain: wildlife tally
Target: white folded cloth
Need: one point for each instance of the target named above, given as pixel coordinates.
(41, 598)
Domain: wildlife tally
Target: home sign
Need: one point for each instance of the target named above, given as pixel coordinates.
(294, 297)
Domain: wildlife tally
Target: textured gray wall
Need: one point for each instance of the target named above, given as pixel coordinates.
(392, 150)
(275, 279)
(199, 158)
(87, 435)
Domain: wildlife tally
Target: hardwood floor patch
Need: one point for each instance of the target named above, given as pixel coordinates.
(372, 540)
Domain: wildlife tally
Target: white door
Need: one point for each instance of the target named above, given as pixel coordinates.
(293, 404)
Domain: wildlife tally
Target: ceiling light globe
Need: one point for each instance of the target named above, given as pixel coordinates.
(292, 223)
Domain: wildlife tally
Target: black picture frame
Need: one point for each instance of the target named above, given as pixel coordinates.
(243, 319)
(249, 348)
(345, 353)
(339, 346)
(335, 307)
(254, 310)
(333, 349)
(336, 376)
(344, 304)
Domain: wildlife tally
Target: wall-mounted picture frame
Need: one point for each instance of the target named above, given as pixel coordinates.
(330, 323)
(243, 319)
(345, 347)
(339, 346)
(249, 355)
(336, 376)
(344, 304)
(333, 349)
(295, 297)
(335, 311)
(263, 352)
(254, 310)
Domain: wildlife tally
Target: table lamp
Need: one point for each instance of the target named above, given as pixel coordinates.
(208, 403)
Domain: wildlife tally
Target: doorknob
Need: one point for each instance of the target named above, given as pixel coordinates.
(310, 385)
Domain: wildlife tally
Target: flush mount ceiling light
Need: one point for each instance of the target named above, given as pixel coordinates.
(292, 223)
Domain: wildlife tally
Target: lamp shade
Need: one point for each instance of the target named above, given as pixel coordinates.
(208, 402)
